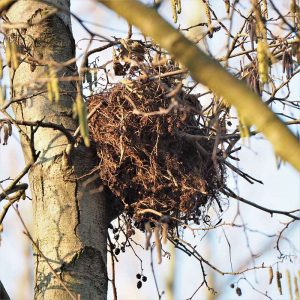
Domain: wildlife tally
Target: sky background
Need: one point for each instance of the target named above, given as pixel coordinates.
(281, 190)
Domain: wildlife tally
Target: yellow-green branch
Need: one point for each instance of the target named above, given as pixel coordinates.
(209, 72)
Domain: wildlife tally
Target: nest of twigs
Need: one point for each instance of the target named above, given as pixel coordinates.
(154, 155)
(148, 152)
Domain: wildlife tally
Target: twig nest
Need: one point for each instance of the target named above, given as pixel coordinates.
(146, 137)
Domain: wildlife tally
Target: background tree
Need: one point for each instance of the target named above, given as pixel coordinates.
(51, 63)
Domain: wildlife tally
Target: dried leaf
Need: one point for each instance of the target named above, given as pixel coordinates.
(271, 275)
(7, 130)
(148, 232)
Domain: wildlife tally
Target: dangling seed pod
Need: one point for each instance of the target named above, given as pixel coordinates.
(82, 116)
(278, 280)
(148, 232)
(252, 77)
(296, 51)
(251, 29)
(95, 74)
(7, 130)
(157, 242)
(287, 64)
(164, 232)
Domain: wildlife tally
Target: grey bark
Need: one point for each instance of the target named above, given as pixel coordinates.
(70, 214)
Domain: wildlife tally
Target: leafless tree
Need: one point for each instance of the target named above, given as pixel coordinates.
(134, 138)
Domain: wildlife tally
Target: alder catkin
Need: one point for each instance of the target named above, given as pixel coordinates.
(174, 10)
(297, 295)
(289, 283)
(227, 6)
(263, 60)
(208, 18)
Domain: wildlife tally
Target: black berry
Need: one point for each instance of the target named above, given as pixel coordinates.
(139, 284)
(238, 291)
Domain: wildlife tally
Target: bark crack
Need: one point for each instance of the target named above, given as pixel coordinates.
(77, 209)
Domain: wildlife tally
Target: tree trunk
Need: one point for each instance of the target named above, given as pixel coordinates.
(70, 212)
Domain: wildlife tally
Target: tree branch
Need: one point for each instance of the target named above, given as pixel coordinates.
(210, 73)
